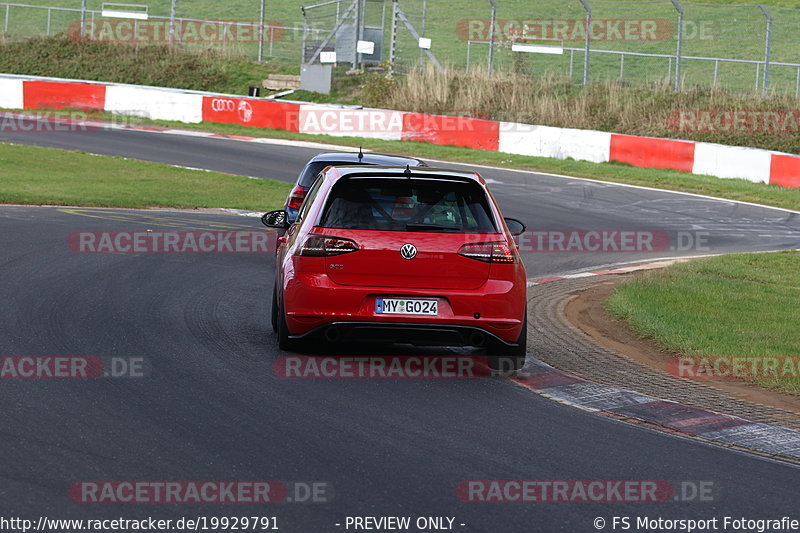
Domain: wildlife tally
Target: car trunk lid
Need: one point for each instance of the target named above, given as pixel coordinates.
(432, 263)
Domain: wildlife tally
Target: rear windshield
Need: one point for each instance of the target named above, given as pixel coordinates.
(408, 205)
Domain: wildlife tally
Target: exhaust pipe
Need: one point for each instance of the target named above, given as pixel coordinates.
(332, 334)
(477, 338)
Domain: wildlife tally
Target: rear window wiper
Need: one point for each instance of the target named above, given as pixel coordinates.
(430, 227)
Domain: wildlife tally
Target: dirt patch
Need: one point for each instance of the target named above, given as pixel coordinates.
(587, 313)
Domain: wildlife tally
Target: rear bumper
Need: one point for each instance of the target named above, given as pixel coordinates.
(404, 332)
(313, 303)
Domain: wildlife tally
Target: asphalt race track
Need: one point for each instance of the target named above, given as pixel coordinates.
(210, 406)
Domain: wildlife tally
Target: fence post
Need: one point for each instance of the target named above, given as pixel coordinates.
(588, 50)
(571, 63)
(768, 49)
(5, 30)
(172, 24)
(758, 76)
(306, 31)
(679, 52)
(83, 19)
(393, 40)
(716, 72)
(357, 34)
(424, 24)
(491, 36)
(261, 35)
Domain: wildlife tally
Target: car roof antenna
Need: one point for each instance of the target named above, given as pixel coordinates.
(408, 171)
(360, 154)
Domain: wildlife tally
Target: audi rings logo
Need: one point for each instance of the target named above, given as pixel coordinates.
(408, 251)
(245, 111)
(222, 104)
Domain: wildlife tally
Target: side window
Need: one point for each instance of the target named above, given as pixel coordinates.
(312, 193)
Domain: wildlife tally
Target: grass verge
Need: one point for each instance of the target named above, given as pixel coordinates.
(201, 70)
(733, 189)
(742, 306)
(33, 175)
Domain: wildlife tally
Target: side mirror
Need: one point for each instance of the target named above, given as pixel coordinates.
(516, 227)
(276, 219)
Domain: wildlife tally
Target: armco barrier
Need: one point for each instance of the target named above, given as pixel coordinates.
(351, 122)
(249, 112)
(40, 94)
(18, 92)
(559, 143)
(452, 131)
(11, 94)
(785, 170)
(154, 103)
(652, 153)
(732, 162)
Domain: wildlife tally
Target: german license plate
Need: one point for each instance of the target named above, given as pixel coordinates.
(406, 306)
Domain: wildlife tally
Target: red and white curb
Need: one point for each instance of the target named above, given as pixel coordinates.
(667, 415)
(621, 268)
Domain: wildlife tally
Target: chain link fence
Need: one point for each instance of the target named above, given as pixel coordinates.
(237, 29)
(744, 48)
(683, 44)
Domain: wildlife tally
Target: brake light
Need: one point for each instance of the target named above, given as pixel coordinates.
(296, 197)
(322, 246)
(489, 252)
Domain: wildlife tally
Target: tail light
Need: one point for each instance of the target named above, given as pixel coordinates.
(296, 197)
(489, 252)
(322, 246)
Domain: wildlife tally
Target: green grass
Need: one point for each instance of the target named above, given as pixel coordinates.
(47, 176)
(206, 70)
(742, 305)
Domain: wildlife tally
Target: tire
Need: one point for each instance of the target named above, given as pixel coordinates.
(505, 358)
(274, 317)
(284, 342)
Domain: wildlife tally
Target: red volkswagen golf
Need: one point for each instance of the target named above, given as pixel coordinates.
(398, 254)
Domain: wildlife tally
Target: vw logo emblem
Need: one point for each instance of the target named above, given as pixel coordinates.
(408, 251)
